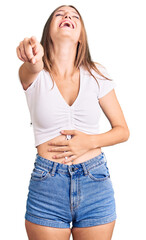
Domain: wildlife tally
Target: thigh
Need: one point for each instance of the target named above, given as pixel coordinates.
(39, 232)
(100, 232)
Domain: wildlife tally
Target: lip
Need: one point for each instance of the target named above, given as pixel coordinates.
(67, 21)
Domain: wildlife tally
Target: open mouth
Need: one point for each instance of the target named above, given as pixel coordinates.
(66, 24)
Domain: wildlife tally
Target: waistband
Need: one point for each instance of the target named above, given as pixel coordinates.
(70, 169)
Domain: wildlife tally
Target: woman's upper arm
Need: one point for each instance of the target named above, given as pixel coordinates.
(26, 77)
(31, 81)
(112, 109)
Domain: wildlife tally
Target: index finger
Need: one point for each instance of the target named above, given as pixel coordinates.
(33, 41)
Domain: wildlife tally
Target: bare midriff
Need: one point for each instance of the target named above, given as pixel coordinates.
(43, 148)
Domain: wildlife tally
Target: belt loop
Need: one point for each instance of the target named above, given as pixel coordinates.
(85, 169)
(105, 159)
(54, 168)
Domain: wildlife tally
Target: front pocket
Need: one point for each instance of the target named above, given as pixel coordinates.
(39, 173)
(99, 173)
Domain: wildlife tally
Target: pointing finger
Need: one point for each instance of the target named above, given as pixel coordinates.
(28, 49)
(33, 41)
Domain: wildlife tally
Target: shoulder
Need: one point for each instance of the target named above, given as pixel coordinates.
(100, 69)
(104, 85)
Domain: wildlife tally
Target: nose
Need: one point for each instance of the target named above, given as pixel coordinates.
(67, 15)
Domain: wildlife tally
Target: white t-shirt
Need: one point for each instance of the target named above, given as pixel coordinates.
(50, 113)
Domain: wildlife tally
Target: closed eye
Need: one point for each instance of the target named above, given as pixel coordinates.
(62, 15)
(59, 14)
(76, 17)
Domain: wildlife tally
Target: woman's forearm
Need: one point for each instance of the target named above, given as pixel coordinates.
(116, 135)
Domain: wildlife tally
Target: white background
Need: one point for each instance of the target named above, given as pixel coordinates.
(116, 37)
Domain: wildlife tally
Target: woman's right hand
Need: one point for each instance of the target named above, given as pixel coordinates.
(30, 50)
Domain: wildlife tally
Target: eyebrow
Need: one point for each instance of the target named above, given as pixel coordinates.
(64, 11)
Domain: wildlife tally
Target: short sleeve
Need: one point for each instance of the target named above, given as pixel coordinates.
(105, 85)
(33, 84)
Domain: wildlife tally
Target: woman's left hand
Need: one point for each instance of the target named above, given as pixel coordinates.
(73, 148)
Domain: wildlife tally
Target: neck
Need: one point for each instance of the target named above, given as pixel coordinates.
(63, 59)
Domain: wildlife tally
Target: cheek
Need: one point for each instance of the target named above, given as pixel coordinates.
(53, 29)
(54, 23)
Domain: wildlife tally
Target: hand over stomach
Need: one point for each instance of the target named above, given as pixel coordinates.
(61, 146)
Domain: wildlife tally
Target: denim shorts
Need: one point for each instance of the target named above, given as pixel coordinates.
(79, 194)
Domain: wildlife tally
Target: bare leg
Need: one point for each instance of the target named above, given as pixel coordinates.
(100, 232)
(39, 232)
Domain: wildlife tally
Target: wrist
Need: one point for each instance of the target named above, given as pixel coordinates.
(94, 141)
(34, 67)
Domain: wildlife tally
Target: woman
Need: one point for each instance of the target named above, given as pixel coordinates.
(65, 90)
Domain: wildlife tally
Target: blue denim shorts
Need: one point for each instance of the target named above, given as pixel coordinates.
(79, 194)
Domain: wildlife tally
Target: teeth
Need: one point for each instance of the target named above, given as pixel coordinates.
(66, 23)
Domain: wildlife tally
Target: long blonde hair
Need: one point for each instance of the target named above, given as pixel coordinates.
(83, 56)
